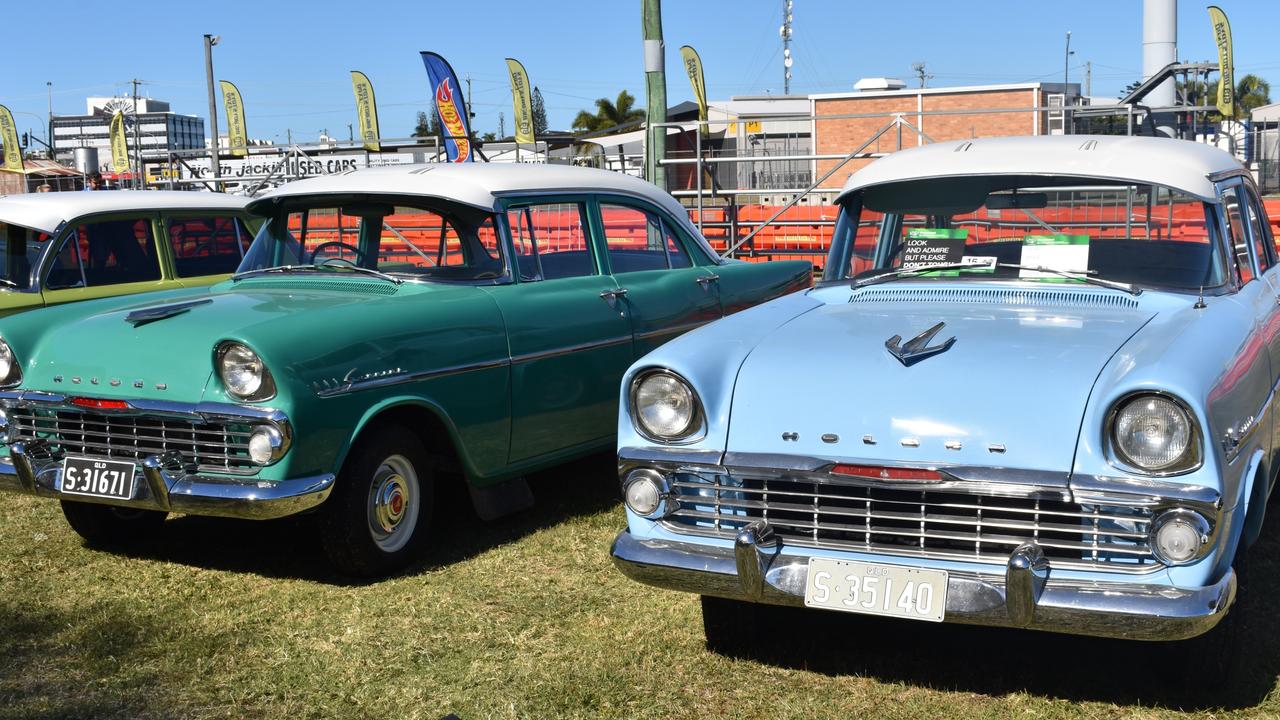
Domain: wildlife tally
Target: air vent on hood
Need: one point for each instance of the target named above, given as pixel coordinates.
(1001, 296)
(359, 287)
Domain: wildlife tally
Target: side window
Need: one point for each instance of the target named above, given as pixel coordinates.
(108, 252)
(639, 240)
(1235, 227)
(550, 241)
(207, 244)
(1263, 246)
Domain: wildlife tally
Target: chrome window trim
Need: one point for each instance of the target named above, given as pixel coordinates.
(1112, 454)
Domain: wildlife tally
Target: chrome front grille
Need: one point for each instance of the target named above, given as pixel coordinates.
(211, 447)
(826, 511)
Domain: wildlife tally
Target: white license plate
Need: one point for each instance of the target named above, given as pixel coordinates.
(876, 589)
(97, 478)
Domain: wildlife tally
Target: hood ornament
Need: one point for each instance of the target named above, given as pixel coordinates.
(138, 318)
(916, 349)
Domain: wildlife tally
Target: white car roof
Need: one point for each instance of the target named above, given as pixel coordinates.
(478, 184)
(47, 211)
(1179, 164)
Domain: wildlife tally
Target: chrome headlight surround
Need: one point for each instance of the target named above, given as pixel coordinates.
(268, 443)
(693, 429)
(1189, 461)
(10, 370)
(242, 372)
(647, 493)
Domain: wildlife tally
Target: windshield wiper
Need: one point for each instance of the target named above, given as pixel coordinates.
(1081, 275)
(347, 265)
(914, 271)
(276, 269)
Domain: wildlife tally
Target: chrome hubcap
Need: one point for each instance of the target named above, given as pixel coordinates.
(393, 503)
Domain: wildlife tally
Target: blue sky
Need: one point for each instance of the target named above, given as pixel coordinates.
(291, 59)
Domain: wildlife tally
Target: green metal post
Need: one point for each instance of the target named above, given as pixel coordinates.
(656, 84)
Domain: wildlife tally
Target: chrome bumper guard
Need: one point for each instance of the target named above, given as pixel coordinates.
(32, 469)
(759, 568)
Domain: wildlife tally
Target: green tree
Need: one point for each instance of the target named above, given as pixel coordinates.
(489, 137)
(609, 114)
(1252, 92)
(428, 125)
(539, 111)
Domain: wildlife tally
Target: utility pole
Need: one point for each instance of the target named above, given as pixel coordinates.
(787, 60)
(502, 126)
(49, 135)
(655, 76)
(209, 42)
(351, 137)
(288, 136)
(1088, 78)
(137, 135)
(1066, 68)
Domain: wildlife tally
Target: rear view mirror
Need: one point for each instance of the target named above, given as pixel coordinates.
(1017, 201)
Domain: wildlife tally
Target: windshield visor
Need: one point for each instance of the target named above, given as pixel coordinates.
(1144, 235)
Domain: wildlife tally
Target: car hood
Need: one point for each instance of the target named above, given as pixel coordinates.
(1010, 391)
(169, 354)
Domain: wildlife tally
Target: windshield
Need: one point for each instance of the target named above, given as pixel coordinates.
(401, 240)
(1141, 235)
(20, 249)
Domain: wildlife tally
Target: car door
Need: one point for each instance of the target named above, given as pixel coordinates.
(568, 331)
(104, 256)
(205, 246)
(1263, 250)
(666, 291)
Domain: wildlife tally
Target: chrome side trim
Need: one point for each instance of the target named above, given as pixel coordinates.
(676, 330)
(400, 379)
(1022, 597)
(581, 347)
(1147, 492)
(674, 456)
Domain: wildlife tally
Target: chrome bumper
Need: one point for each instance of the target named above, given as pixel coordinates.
(166, 486)
(760, 569)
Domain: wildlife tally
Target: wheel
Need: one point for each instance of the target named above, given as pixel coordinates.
(107, 525)
(731, 627)
(377, 518)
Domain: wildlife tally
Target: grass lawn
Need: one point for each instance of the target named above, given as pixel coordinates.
(520, 618)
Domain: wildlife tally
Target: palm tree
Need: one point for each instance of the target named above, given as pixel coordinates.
(1251, 92)
(609, 114)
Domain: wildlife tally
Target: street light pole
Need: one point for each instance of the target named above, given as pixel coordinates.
(209, 42)
(49, 135)
(1066, 68)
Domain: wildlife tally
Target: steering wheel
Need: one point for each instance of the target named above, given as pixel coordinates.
(338, 243)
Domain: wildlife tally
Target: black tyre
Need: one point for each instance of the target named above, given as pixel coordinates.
(104, 525)
(377, 519)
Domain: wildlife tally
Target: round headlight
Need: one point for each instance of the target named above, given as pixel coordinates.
(243, 373)
(1178, 535)
(665, 406)
(264, 444)
(8, 364)
(1152, 432)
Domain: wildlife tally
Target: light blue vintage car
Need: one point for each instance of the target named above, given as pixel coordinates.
(1034, 389)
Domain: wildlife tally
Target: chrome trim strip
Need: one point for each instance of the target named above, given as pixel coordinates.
(676, 330)
(631, 456)
(581, 347)
(1023, 595)
(1233, 445)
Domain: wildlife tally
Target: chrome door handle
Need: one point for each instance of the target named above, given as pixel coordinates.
(613, 294)
(707, 279)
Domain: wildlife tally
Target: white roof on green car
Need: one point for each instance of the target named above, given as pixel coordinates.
(1178, 164)
(478, 184)
(46, 211)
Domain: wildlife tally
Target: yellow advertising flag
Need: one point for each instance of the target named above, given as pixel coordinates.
(119, 148)
(237, 135)
(693, 66)
(1226, 65)
(366, 110)
(520, 102)
(9, 136)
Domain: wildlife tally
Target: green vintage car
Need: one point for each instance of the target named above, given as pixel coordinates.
(65, 247)
(388, 329)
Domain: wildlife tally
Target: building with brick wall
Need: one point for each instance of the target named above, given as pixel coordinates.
(844, 122)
